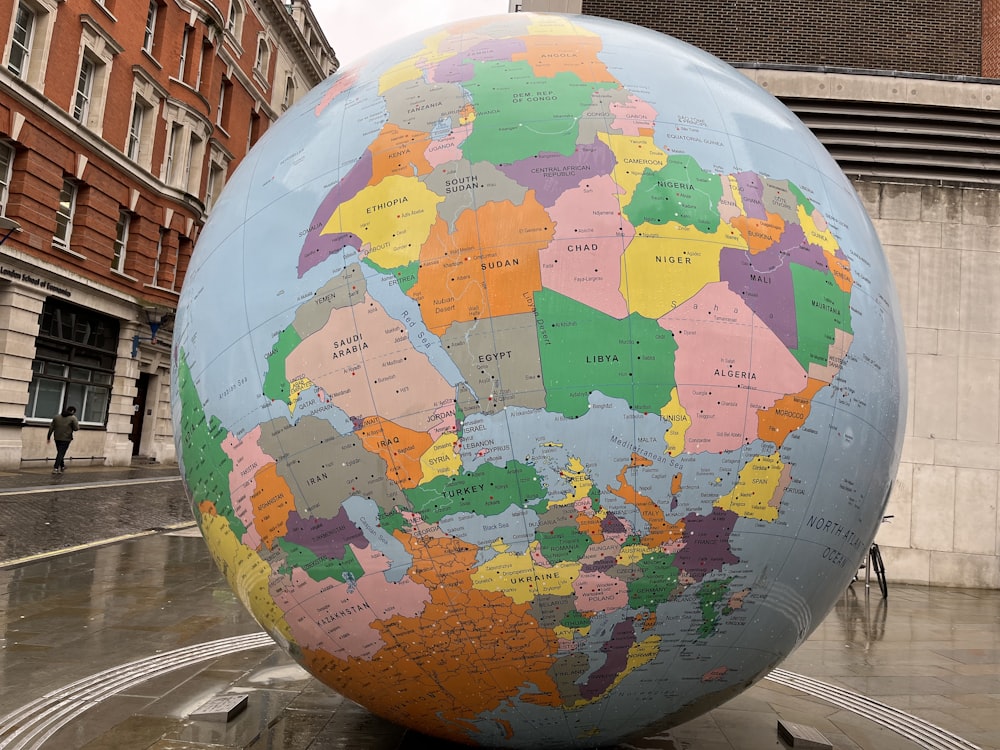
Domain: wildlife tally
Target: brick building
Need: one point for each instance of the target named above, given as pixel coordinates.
(906, 97)
(891, 35)
(120, 121)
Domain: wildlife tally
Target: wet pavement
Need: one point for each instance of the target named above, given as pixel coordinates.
(42, 512)
(115, 626)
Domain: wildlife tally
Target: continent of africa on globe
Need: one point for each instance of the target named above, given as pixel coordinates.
(538, 382)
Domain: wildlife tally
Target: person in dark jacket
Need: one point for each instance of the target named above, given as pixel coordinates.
(62, 428)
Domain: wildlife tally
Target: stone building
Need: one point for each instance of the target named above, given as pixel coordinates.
(120, 121)
(906, 96)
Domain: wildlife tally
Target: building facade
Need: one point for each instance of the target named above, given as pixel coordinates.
(906, 96)
(120, 121)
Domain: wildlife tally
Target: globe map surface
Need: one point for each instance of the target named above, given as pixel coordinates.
(538, 381)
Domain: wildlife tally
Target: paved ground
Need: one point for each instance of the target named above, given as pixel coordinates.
(113, 645)
(41, 512)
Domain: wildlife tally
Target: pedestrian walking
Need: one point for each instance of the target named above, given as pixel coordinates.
(62, 428)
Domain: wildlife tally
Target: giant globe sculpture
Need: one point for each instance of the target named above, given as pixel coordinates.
(538, 382)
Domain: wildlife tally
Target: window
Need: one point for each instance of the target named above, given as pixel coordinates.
(206, 49)
(148, 38)
(193, 165)
(84, 90)
(184, 248)
(20, 45)
(263, 54)
(147, 96)
(289, 93)
(225, 98)
(96, 59)
(165, 266)
(135, 130)
(234, 21)
(173, 147)
(218, 168)
(30, 36)
(187, 134)
(213, 187)
(253, 133)
(6, 167)
(185, 44)
(121, 240)
(74, 363)
(64, 215)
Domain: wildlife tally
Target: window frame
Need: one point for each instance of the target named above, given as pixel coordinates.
(133, 146)
(193, 163)
(84, 89)
(171, 154)
(120, 246)
(253, 131)
(7, 155)
(263, 56)
(159, 255)
(148, 94)
(63, 235)
(185, 50)
(97, 53)
(31, 69)
(225, 103)
(149, 34)
(218, 169)
(234, 22)
(213, 186)
(79, 367)
(23, 46)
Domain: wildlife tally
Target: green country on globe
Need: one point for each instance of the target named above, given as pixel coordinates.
(538, 382)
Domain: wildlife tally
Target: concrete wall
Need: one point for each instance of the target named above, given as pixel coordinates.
(943, 245)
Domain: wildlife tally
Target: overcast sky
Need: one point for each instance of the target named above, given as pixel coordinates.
(356, 26)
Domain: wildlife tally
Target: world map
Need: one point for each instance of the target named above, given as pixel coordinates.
(538, 381)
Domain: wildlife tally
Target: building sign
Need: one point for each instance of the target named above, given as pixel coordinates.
(15, 275)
